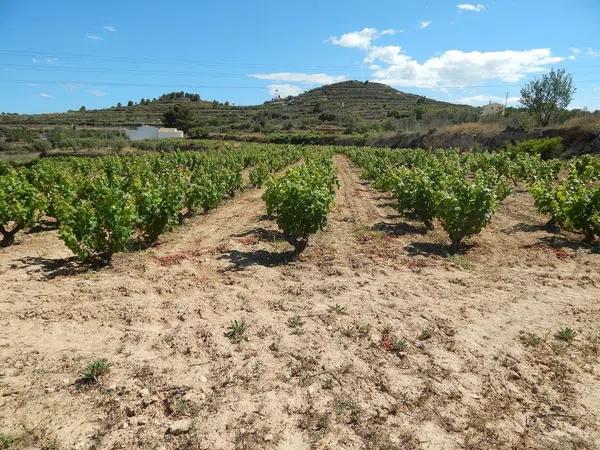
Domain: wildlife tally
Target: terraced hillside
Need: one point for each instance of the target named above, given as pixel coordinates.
(350, 104)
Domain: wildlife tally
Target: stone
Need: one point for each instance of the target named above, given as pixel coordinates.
(179, 427)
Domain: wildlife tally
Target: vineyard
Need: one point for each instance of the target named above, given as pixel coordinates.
(279, 296)
(109, 204)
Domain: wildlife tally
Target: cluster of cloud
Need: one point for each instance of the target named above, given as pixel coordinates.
(306, 80)
(299, 77)
(390, 64)
(97, 37)
(479, 100)
(470, 7)
(359, 39)
(452, 69)
(47, 60)
(456, 68)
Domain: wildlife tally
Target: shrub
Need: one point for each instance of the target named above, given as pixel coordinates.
(98, 223)
(21, 205)
(579, 208)
(465, 207)
(415, 195)
(545, 148)
(158, 205)
(301, 200)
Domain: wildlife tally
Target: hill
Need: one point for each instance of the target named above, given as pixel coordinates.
(351, 105)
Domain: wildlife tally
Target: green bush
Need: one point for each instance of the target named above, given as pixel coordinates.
(100, 222)
(545, 148)
(21, 204)
(415, 195)
(464, 207)
(301, 200)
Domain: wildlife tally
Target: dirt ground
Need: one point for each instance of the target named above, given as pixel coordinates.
(322, 363)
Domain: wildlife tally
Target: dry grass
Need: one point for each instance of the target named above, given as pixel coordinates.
(589, 123)
(486, 129)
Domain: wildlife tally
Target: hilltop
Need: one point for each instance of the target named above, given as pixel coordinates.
(351, 105)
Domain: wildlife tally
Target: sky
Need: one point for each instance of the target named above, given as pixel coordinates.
(60, 55)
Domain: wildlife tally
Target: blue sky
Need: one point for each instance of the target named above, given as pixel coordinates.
(61, 55)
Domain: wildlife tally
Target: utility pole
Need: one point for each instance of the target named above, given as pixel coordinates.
(505, 105)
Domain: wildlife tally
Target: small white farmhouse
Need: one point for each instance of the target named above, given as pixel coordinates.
(492, 109)
(149, 132)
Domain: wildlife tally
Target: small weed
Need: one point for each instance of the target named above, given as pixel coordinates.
(392, 344)
(349, 408)
(327, 384)
(398, 346)
(461, 261)
(530, 339)
(348, 331)
(94, 371)
(296, 323)
(363, 329)
(365, 234)
(425, 334)
(337, 309)
(236, 331)
(565, 334)
(6, 441)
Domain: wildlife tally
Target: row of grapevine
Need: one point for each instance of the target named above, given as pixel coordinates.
(462, 191)
(572, 202)
(107, 204)
(300, 200)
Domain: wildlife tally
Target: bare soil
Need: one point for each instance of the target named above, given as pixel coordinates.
(321, 364)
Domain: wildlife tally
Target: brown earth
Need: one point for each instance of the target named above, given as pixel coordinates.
(320, 364)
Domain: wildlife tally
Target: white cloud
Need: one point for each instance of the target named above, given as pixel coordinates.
(299, 77)
(360, 39)
(389, 54)
(97, 93)
(479, 100)
(109, 28)
(593, 53)
(575, 50)
(425, 23)
(456, 68)
(470, 7)
(44, 60)
(93, 37)
(45, 95)
(284, 90)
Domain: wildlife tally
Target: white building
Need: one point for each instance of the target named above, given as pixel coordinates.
(149, 132)
(492, 109)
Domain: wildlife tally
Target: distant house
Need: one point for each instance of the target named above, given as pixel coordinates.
(492, 109)
(149, 132)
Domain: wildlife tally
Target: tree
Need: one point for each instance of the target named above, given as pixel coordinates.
(179, 116)
(548, 95)
(119, 105)
(130, 103)
(82, 109)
